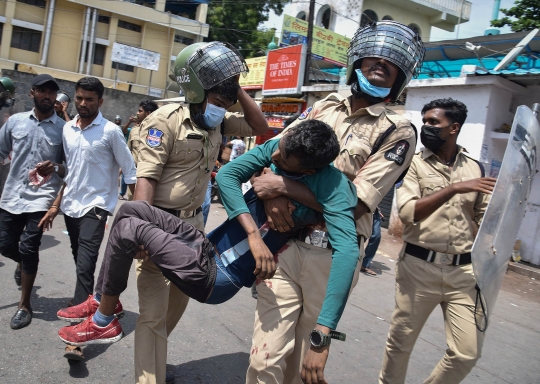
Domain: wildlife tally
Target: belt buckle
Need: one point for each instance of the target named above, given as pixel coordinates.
(186, 214)
(318, 239)
(443, 259)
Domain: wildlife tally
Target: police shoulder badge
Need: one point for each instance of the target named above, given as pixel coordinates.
(153, 139)
(305, 113)
(397, 154)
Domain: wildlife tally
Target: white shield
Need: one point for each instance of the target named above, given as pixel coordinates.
(498, 233)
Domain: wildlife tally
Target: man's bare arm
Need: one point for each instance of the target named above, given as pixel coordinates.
(145, 189)
(252, 113)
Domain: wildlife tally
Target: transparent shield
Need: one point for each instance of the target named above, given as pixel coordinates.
(499, 229)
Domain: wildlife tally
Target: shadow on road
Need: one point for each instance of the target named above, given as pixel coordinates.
(229, 369)
(380, 266)
(48, 241)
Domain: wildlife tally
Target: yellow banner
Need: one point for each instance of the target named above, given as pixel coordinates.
(255, 77)
(327, 45)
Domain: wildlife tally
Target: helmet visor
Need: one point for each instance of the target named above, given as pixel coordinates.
(216, 62)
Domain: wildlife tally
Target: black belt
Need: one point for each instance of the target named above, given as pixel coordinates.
(429, 255)
(183, 214)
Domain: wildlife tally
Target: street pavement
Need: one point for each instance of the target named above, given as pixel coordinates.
(211, 344)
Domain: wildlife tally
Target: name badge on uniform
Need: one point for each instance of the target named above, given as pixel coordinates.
(153, 139)
(397, 154)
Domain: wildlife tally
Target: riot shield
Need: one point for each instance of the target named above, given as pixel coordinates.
(498, 232)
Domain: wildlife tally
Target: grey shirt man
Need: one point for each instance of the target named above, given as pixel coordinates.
(32, 141)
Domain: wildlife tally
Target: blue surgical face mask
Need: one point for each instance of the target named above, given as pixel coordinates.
(371, 89)
(213, 115)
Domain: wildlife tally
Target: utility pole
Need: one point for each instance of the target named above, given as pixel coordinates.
(309, 40)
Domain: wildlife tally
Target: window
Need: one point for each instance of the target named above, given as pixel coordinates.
(324, 17)
(123, 67)
(1, 30)
(183, 40)
(368, 17)
(388, 17)
(99, 54)
(27, 39)
(37, 3)
(103, 19)
(302, 16)
(415, 28)
(129, 26)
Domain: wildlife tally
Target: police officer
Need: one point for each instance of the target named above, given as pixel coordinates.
(178, 146)
(288, 306)
(7, 92)
(441, 202)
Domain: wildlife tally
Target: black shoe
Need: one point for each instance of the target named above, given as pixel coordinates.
(169, 378)
(21, 319)
(17, 276)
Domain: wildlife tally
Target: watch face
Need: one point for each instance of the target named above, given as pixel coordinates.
(316, 338)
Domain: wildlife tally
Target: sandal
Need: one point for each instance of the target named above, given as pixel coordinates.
(368, 272)
(73, 353)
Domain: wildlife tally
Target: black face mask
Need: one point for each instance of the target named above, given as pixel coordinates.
(429, 136)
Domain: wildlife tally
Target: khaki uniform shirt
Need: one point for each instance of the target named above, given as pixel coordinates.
(451, 228)
(133, 141)
(357, 133)
(179, 155)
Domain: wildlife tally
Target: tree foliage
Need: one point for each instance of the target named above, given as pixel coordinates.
(523, 16)
(236, 22)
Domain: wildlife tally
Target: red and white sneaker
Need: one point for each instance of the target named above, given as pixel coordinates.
(86, 309)
(89, 332)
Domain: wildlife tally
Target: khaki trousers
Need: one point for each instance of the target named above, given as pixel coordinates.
(420, 287)
(288, 306)
(161, 305)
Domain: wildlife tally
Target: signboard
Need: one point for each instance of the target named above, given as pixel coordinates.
(285, 71)
(281, 108)
(327, 45)
(255, 77)
(156, 92)
(136, 57)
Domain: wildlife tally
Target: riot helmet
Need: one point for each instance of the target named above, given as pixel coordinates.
(7, 92)
(201, 66)
(62, 97)
(390, 41)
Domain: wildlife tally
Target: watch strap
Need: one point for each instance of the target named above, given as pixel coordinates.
(338, 335)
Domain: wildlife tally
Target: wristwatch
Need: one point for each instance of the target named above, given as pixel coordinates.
(319, 339)
(56, 168)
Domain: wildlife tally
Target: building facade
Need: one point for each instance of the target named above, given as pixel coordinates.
(344, 17)
(72, 38)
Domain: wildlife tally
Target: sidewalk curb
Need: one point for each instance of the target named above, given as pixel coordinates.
(525, 270)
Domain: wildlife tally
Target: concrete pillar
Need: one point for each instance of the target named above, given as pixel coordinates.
(108, 72)
(160, 5)
(202, 11)
(8, 30)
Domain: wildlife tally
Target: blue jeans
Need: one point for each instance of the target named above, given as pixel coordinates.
(374, 240)
(207, 202)
(227, 283)
(123, 186)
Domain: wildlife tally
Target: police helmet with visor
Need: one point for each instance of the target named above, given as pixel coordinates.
(201, 66)
(390, 41)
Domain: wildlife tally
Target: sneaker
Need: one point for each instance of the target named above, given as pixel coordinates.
(17, 275)
(21, 319)
(85, 309)
(89, 332)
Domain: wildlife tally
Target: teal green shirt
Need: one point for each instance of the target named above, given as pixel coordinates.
(337, 197)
